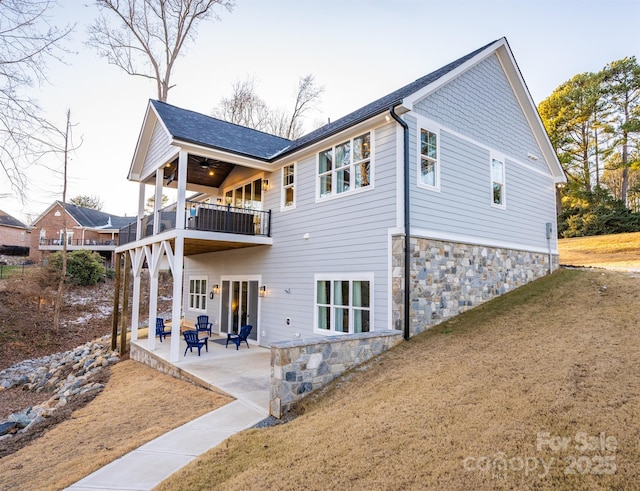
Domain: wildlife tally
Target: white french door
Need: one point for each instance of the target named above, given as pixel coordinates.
(239, 306)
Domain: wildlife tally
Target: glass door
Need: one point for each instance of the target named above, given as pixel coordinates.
(240, 306)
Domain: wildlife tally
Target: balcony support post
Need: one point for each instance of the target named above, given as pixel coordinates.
(181, 205)
(141, 191)
(157, 205)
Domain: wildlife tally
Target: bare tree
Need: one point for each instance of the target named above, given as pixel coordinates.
(27, 42)
(66, 135)
(93, 202)
(149, 35)
(246, 108)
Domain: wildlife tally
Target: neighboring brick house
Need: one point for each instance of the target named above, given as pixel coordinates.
(86, 229)
(14, 236)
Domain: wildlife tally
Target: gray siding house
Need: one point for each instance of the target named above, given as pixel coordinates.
(308, 238)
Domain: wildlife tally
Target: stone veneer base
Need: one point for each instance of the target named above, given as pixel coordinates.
(302, 366)
(448, 278)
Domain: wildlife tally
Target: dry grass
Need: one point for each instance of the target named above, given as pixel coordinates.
(558, 356)
(611, 251)
(137, 405)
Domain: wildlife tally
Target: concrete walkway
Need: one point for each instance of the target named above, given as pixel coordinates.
(153, 462)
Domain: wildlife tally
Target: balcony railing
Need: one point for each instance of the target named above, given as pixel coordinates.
(204, 217)
(77, 242)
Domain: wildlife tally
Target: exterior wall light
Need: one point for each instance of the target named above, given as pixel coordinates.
(263, 291)
(265, 184)
(215, 289)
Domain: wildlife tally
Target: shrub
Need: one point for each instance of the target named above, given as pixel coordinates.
(83, 267)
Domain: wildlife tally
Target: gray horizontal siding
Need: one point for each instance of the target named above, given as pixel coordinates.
(481, 104)
(348, 234)
(158, 148)
(463, 205)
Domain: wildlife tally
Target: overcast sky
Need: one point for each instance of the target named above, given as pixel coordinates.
(359, 50)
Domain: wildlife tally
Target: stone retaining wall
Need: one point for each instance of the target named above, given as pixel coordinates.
(448, 278)
(302, 366)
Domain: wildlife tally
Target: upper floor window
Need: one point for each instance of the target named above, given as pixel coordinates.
(343, 304)
(288, 186)
(429, 165)
(497, 182)
(345, 167)
(247, 195)
(198, 294)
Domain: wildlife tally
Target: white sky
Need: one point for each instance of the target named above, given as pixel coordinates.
(359, 50)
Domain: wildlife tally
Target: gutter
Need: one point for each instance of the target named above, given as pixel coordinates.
(407, 223)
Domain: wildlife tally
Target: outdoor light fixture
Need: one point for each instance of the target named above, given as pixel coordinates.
(215, 289)
(265, 184)
(263, 291)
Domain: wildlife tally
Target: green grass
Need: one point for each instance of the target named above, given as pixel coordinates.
(9, 271)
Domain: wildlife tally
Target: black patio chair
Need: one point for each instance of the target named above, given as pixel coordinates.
(238, 338)
(161, 329)
(203, 324)
(193, 341)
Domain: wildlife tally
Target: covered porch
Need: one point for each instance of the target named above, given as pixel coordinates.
(244, 373)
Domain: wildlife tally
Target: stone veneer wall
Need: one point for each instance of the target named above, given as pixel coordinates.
(448, 278)
(302, 366)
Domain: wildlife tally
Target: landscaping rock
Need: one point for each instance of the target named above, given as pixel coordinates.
(65, 375)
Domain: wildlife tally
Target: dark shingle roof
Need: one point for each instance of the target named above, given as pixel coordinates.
(9, 221)
(204, 130)
(193, 127)
(88, 217)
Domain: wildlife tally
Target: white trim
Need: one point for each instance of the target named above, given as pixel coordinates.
(242, 184)
(283, 190)
(352, 190)
(438, 164)
(390, 280)
(478, 241)
(498, 157)
(368, 276)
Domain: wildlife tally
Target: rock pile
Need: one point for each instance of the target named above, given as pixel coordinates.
(64, 375)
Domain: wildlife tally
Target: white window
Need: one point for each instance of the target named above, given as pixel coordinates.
(288, 187)
(198, 294)
(497, 182)
(21, 236)
(343, 304)
(345, 167)
(429, 163)
(247, 195)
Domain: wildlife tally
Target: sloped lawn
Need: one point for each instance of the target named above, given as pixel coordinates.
(618, 251)
(538, 389)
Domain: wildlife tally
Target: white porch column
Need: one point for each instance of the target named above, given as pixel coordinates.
(153, 260)
(158, 200)
(176, 307)
(141, 191)
(182, 190)
(137, 257)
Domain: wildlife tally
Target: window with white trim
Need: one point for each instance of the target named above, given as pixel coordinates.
(345, 167)
(429, 164)
(497, 182)
(343, 305)
(288, 186)
(198, 294)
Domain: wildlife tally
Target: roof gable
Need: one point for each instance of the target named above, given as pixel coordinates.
(88, 217)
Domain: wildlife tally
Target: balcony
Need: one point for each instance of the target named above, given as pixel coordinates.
(203, 217)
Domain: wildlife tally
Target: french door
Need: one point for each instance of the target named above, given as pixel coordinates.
(239, 306)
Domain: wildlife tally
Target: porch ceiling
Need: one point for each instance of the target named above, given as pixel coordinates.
(200, 170)
(200, 246)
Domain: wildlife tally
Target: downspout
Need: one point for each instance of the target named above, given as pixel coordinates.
(407, 224)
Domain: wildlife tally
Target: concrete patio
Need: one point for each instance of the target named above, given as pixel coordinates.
(244, 373)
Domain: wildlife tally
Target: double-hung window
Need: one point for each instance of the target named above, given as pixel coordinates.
(198, 294)
(429, 164)
(343, 305)
(346, 167)
(288, 186)
(497, 182)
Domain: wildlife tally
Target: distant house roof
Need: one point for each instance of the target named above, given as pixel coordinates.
(193, 127)
(9, 221)
(90, 218)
